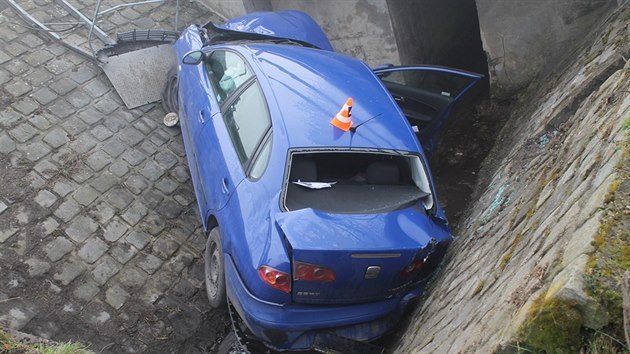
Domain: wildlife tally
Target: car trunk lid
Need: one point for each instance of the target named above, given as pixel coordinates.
(367, 253)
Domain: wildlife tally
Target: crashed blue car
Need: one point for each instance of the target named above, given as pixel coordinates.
(310, 176)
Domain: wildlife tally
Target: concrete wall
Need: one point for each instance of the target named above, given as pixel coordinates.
(232, 8)
(439, 32)
(523, 38)
(359, 28)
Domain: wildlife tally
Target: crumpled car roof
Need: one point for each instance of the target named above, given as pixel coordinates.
(289, 24)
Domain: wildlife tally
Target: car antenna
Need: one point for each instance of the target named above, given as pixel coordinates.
(354, 128)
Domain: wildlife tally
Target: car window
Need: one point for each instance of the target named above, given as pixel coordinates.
(227, 71)
(247, 120)
(261, 162)
(441, 83)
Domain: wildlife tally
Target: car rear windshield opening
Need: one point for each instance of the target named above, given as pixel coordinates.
(356, 182)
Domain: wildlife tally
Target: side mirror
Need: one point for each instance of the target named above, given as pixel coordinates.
(193, 58)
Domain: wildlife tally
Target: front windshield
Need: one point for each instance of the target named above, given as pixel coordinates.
(356, 182)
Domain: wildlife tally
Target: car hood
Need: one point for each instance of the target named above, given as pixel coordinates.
(291, 24)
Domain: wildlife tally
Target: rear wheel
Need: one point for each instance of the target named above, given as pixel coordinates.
(214, 270)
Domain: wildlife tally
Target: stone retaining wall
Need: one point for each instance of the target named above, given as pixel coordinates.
(528, 236)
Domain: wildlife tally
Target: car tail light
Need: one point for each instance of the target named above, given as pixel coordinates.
(275, 278)
(413, 267)
(312, 272)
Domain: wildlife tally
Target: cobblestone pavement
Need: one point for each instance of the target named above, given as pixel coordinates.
(100, 241)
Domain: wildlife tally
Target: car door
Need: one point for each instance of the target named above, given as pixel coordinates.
(218, 146)
(427, 95)
(196, 107)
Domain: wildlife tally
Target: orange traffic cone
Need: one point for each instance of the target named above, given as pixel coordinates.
(343, 119)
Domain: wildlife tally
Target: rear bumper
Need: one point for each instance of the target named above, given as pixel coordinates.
(295, 326)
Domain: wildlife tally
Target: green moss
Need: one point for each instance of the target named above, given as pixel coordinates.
(611, 258)
(601, 343)
(626, 122)
(508, 255)
(478, 288)
(9, 345)
(552, 326)
(530, 212)
(605, 37)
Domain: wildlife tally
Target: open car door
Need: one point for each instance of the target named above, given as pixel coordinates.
(426, 95)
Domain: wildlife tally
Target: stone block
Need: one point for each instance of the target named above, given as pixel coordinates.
(166, 185)
(35, 151)
(45, 199)
(23, 132)
(58, 66)
(37, 58)
(82, 74)
(69, 271)
(63, 187)
(85, 195)
(165, 247)
(138, 239)
(102, 212)
(84, 143)
(97, 88)
(78, 99)
(133, 157)
(46, 169)
(57, 248)
(116, 296)
(61, 109)
(105, 269)
(101, 133)
(40, 122)
(132, 277)
(62, 86)
(93, 249)
(135, 213)
(131, 136)
(119, 198)
(5, 234)
(44, 96)
(67, 210)
(122, 252)
(81, 229)
(150, 263)
(38, 77)
(136, 183)
(90, 116)
(17, 314)
(49, 225)
(17, 88)
(115, 230)
(104, 181)
(25, 106)
(98, 160)
(86, 291)
(105, 105)
(169, 209)
(37, 267)
(73, 125)
(6, 144)
(113, 147)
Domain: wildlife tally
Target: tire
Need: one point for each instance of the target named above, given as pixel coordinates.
(169, 92)
(214, 270)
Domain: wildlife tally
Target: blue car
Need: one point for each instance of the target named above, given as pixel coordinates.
(310, 177)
